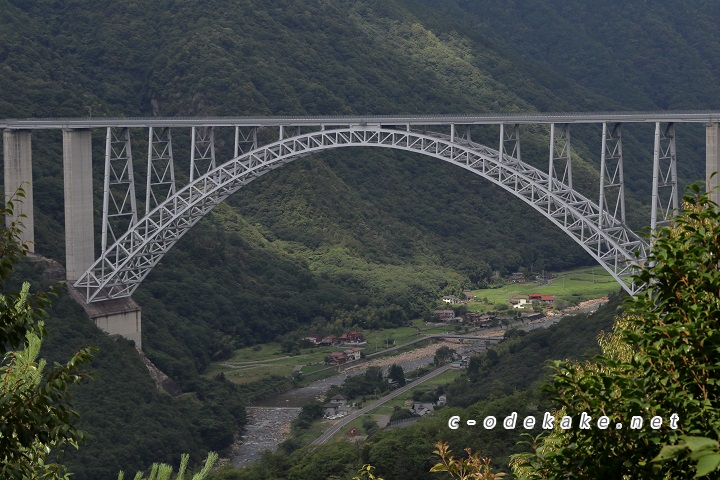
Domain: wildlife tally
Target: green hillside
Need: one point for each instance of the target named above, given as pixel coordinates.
(351, 233)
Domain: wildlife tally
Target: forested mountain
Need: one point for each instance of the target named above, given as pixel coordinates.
(343, 235)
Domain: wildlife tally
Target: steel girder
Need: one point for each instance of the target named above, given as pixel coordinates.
(121, 269)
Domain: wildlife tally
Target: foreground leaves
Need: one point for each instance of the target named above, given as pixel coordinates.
(660, 362)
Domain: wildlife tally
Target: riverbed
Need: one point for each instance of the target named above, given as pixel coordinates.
(269, 420)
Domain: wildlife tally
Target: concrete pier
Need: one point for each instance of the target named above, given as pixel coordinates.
(121, 316)
(17, 156)
(79, 232)
(712, 159)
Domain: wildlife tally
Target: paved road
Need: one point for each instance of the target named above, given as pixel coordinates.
(349, 418)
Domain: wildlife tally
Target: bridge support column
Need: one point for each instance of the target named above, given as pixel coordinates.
(79, 232)
(121, 316)
(712, 159)
(17, 154)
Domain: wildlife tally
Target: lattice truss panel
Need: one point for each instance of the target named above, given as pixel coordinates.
(560, 157)
(121, 268)
(665, 188)
(119, 206)
(612, 182)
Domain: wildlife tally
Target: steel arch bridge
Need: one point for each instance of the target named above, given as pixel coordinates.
(123, 266)
(132, 244)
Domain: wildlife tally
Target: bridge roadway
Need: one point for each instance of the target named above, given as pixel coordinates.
(705, 117)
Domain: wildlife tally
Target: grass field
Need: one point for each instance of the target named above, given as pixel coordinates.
(573, 286)
(257, 362)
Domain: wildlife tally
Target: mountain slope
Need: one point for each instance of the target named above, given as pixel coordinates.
(354, 229)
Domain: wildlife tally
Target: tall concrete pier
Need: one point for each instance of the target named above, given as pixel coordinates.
(712, 159)
(79, 232)
(17, 154)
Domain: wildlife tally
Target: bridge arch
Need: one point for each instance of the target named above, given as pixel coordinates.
(125, 264)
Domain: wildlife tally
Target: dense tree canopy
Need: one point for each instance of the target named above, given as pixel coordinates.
(658, 368)
(36, 415)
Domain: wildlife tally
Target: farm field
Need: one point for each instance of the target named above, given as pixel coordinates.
(572, 287)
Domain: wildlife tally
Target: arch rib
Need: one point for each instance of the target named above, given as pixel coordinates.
(125, 264)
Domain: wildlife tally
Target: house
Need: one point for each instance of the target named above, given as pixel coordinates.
(485, 320)
(477, 319)
(451, 299)
(314, 338)
(517, 277)
(534, 297)
(339, 399)
(329, 340)
(547, 298)
(521, 303)
(468, 295)
(336, 358)
(422, 408)
(356, 337)
(330, 409)
(445, 315)
(352, 354)
(344, 338)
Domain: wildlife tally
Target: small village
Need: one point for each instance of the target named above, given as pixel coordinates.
(346, 339)
(535, 302)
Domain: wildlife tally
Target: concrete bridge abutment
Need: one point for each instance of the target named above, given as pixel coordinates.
(120, 316)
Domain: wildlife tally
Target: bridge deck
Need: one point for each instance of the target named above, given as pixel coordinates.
(706, 117)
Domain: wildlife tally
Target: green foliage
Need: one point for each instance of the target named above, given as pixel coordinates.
(472, 467)
(36, 416)
(705, 451)
(366, 473)
(400, 414)
(397, 374)
(369, 425)
(660, 361)
(356, 386)
(310, 411)
(36, 413)
(161, 471)
(20, 310)
(444, 355)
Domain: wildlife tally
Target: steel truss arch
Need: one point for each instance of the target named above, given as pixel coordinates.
(125, 264)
